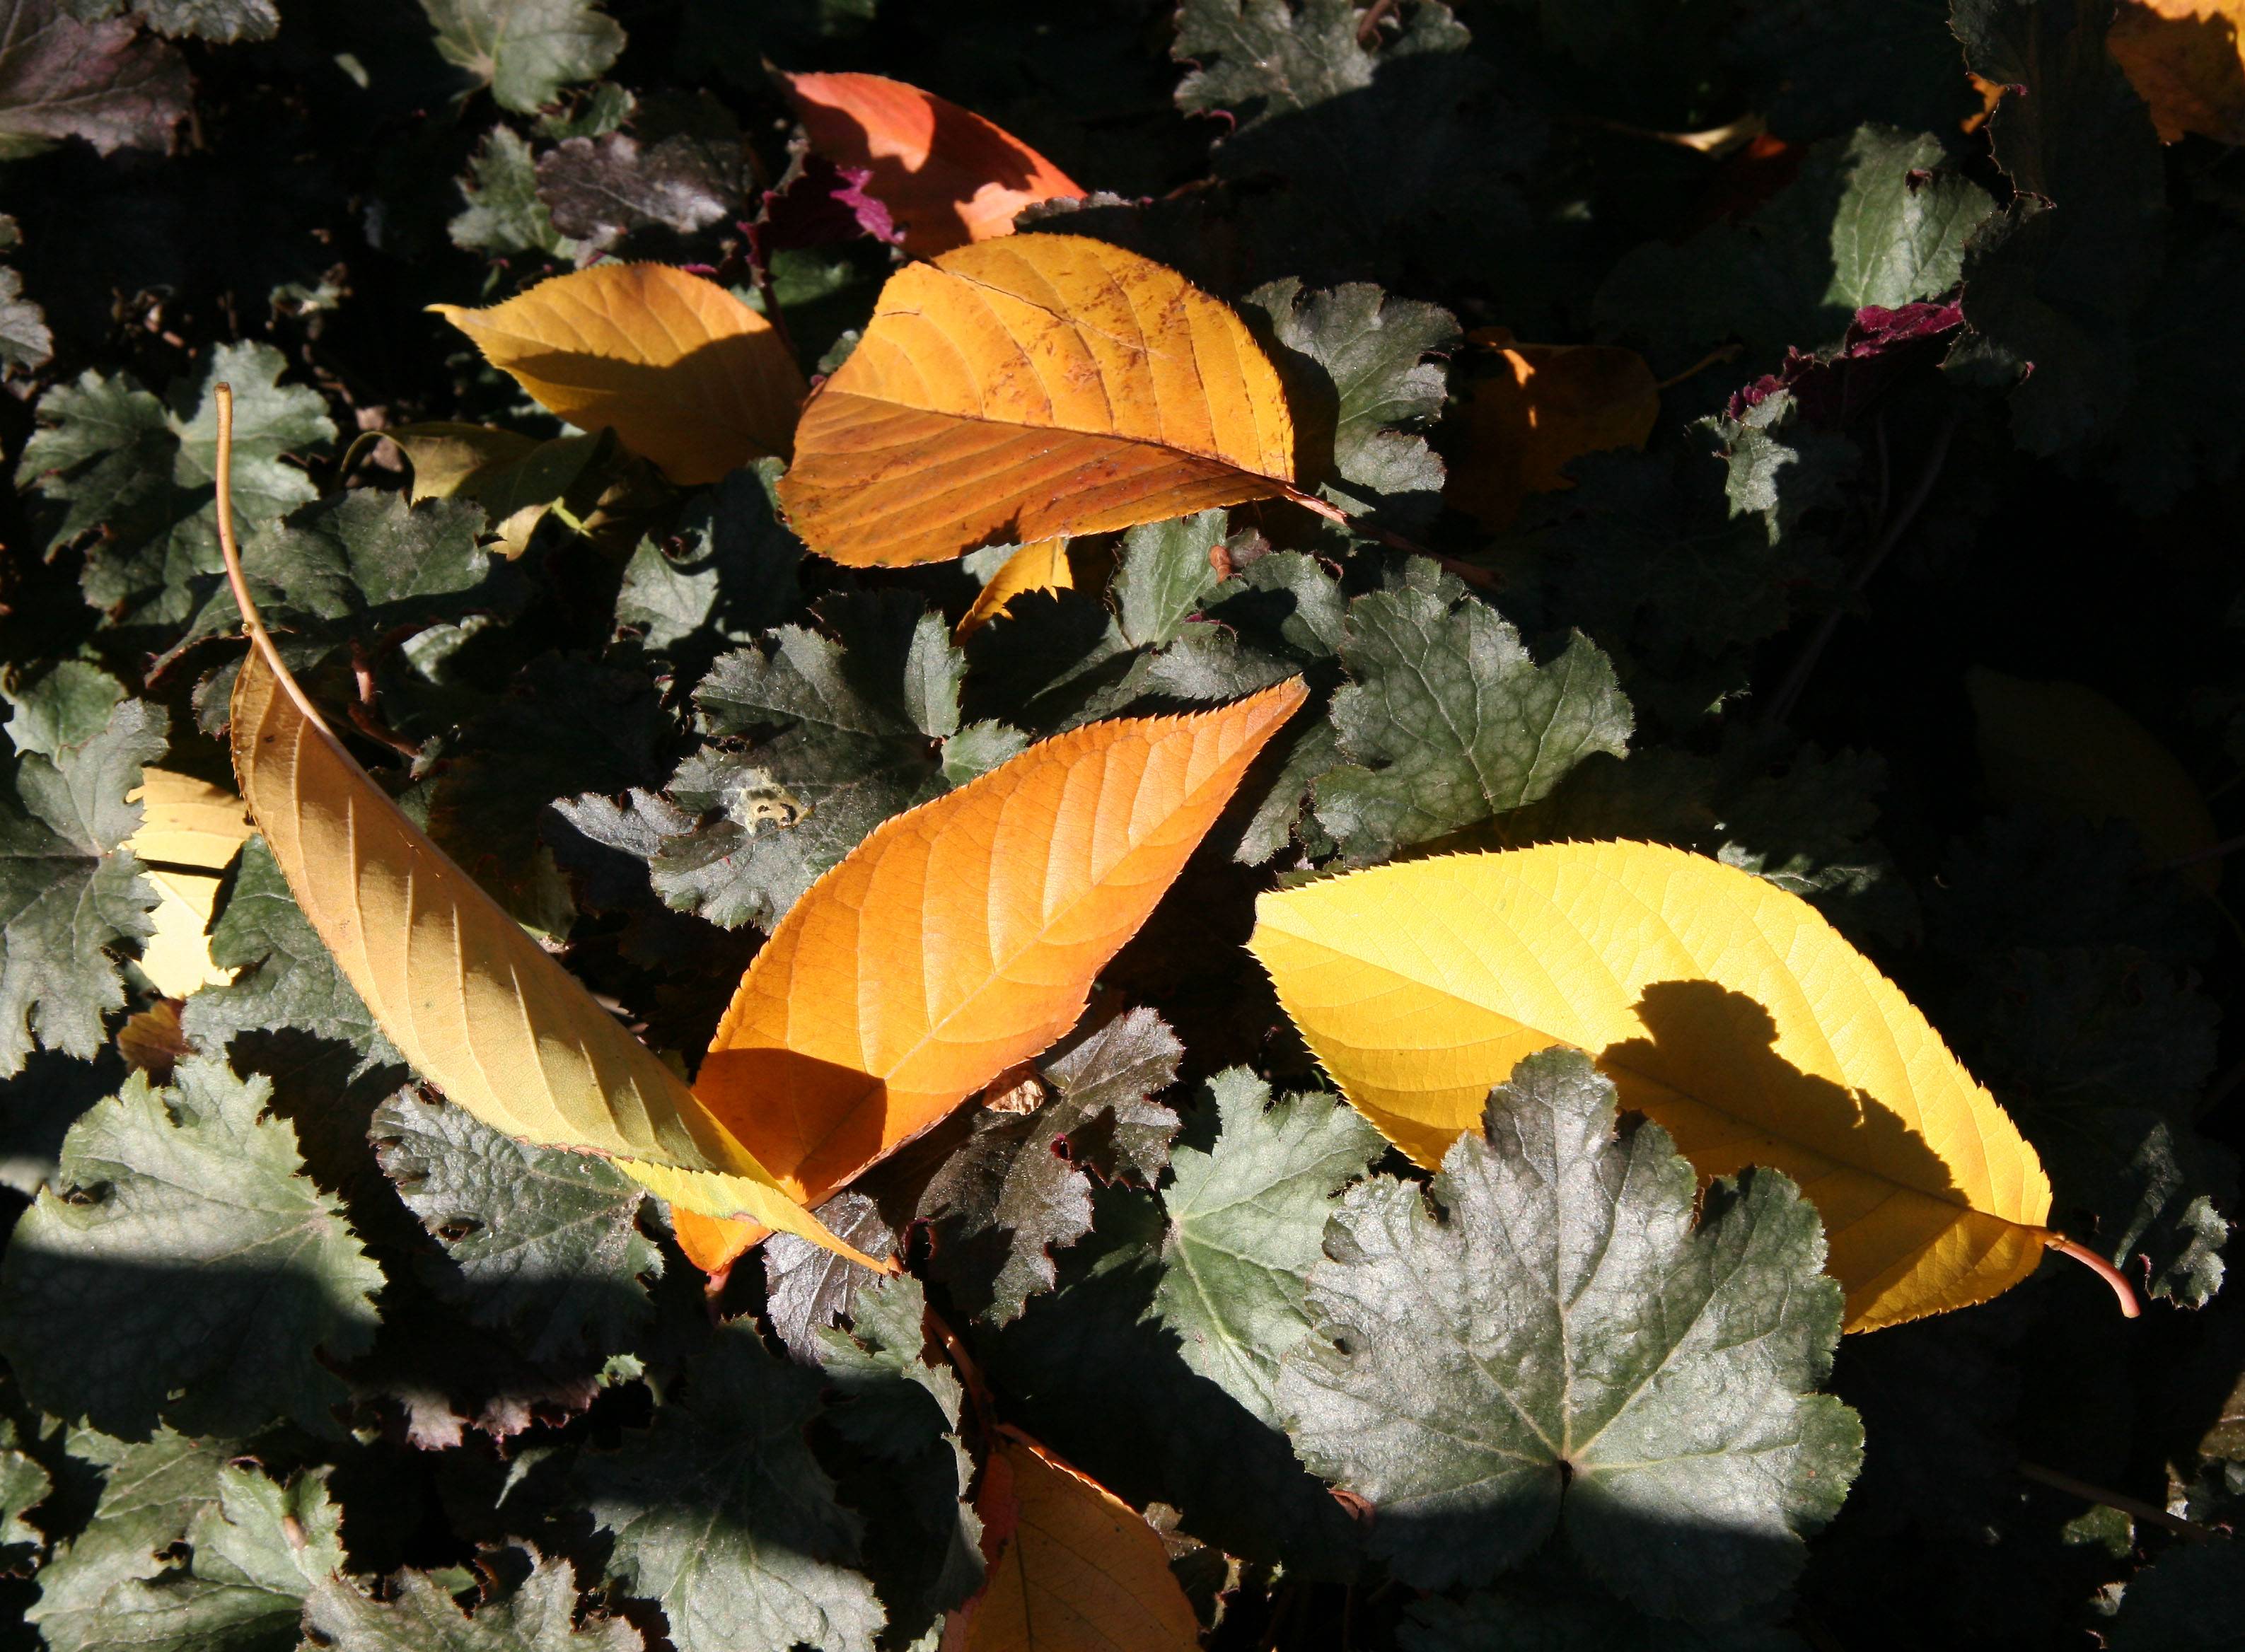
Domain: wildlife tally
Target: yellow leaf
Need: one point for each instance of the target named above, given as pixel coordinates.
(474, 1005)
(1524, 411)
(963, 936)
(685, 374)
(189, 830)
(1724, 1008)
(1041, 566)
(2183, 58)
(1031, 387)
(946, 175)
(517, 479)
(1073, 1567)
(2069, 748)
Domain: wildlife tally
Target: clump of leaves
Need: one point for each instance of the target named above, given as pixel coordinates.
(1211, 824)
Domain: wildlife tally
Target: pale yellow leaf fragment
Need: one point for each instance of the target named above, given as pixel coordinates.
(189, 830)
(685, 374)
(1726, 1009)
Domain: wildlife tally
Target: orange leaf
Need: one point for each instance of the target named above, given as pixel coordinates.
(684, 373)
(946, 175)
(2183, 58)
(963, 936)
(1024, 388)
(1529, 409)
(1073, 1567)
(1041, 566)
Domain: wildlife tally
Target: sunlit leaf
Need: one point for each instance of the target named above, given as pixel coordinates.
(684, 373)
(1729, 1010)
(1041, 566)
(475, 1005)
(1003, 900)
(1015, 391)
(946, 175)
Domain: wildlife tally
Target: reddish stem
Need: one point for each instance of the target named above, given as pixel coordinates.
(2129, 1306)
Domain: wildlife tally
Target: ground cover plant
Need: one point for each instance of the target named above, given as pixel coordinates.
(1263, 823)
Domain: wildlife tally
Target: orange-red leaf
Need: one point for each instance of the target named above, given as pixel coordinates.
(946, 175)
(1024, 388)
(1526, 410)
(1073, 1567)
(963, 936)
(684, 373)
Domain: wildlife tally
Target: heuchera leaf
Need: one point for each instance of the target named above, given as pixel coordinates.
(134, 478)
(1247, 1221)
(1011, 892)
(252, 1556)
(187, 1548)
(1042, 385)
(684, 373)
(1726, 1009)
(70, 888)
(1015, 1191)
(721, 1513)
(898, 1412)
(1563, 1348)
(946, 175)
(1449, 720)
(511, 1036)
(600, 190)
(1073, 1567)
(503, 216)
(187, 1196)
(2051, 285)
(99, 80)
(544, 1241)
(1367, 373)
(525, 51)
(417, 1614)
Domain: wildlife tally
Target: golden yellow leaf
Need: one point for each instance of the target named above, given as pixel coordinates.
(1041, 566)
(2183, 58)
(1726, 1009)
(2068, 748)
(1524, 411)
(1073, 1567)
(685, 374)
(474, 1005)
(1022, 389)
(946, 175)
(963, 936)
(189, 830)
